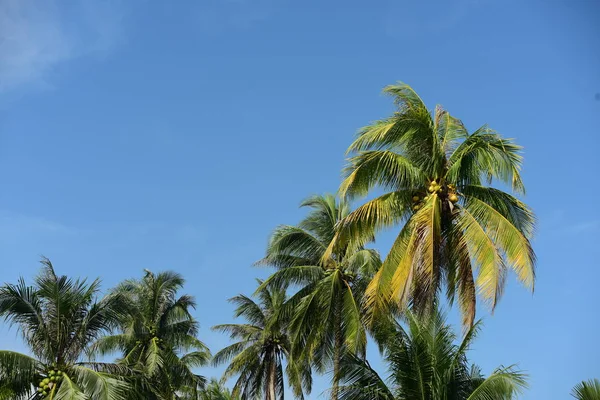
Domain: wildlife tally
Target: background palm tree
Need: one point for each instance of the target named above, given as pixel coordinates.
(453, 224)
(58, 317)
(587, 390)
(326, 318)
(263, 345)
(158, 336)
(424, 363)
(214, 390)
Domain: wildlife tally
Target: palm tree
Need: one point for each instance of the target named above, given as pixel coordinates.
(158, 337)
(453, 225)
(214, 390)
(59, 317)
(425, 363)
(587, 390)
(326, 311)
(263, 343)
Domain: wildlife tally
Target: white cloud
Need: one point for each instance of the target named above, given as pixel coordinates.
(37, 36)
(15, 227)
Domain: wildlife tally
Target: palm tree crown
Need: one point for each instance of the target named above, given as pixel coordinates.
(59, 318)
(262, 346)
(425, 363)
(455, 229)
(326, 317)
(158, 336)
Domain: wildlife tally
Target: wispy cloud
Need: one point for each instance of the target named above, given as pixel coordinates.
(36, 37)
(441, 16)
(559, 222)
(218, 16)
(15, 227)
(583, 227)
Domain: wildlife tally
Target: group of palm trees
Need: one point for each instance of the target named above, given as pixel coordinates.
(329, 292)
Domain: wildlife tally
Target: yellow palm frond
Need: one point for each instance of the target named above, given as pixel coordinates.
(486, 257)
(515, 246)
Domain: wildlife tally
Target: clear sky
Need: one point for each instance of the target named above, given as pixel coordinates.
(143, 134)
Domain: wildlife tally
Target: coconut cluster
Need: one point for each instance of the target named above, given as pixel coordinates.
(448, 191)
(53, 378)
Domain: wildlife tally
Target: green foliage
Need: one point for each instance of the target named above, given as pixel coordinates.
(157, 337)
(325, 313)
(214, 390)
(59, 318)
(587, 390)
(260, 348)
(425, 363)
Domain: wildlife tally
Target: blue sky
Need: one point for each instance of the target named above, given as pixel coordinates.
(145, 135)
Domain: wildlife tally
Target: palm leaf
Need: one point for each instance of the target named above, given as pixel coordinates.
(587, 390)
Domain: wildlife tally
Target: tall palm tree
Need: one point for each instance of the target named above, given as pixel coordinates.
(158, 337)
(587, 390)
(456, 230)
(263, 344)
(59, 318)
(425, 363)
(326, 313)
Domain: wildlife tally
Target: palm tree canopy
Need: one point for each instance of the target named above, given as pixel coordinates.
(425, 363)
(59, 318)
(158, 335)
(587, 390)
(260, 348)
(330, 290)
(456, 229)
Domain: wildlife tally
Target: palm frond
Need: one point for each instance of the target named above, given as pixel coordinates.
(504, 383)
(100, 385)
(587, 390)
(485, 154)
(379, 168)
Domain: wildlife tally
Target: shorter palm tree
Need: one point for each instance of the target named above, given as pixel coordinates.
(59, 318)
(158, 337)
(325, 313)
(425, 363)
(587, 390)
(262, 346)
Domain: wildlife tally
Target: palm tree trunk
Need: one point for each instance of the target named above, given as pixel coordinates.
(337, 350)
(271, 379)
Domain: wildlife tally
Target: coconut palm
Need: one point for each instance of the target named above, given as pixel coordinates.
(326, 318)
(456, 229)
(587, 390)
(59, 318)
(262, 347)
(158, 337)
(425, 363)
